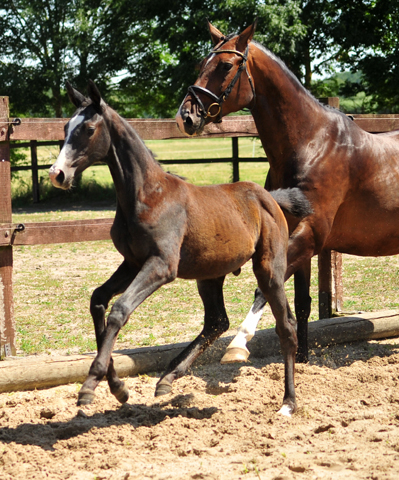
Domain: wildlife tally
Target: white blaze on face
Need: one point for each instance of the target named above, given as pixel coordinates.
(64, 154)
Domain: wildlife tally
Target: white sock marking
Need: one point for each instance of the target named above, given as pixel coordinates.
(247, 329)
(285, 410)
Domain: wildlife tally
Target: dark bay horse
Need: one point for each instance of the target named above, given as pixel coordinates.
(166, 228)
(351, 177)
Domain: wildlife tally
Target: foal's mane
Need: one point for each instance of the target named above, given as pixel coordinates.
(87, 101)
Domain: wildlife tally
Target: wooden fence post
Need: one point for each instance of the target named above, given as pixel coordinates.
(35, 175)
(7, 322)
(330, 265)
(236, 160)
(337, 283)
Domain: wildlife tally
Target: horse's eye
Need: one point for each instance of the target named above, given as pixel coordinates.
(227, 66)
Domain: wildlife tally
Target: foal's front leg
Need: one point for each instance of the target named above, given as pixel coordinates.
(154, 273)
(100, 299)
(215, 323)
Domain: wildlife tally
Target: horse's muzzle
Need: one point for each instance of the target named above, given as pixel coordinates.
(189, 123)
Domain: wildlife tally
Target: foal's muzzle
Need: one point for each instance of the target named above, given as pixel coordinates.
(57, 177)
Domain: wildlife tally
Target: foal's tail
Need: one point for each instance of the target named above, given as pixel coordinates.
(293, 200)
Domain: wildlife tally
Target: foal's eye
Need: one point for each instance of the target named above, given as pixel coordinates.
(90, 131)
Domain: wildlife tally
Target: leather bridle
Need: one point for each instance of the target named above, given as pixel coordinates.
(218, 101)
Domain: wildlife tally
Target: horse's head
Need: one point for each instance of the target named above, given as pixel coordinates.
(87, 139)
(224, 84)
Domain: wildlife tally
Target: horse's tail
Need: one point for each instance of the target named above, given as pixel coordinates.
(293, 200)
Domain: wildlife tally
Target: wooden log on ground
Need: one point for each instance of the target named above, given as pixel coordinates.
(42, 372)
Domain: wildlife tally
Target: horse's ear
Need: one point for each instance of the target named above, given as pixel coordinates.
(216, 35)
(74, 96)
(245, 37)
(94, 94)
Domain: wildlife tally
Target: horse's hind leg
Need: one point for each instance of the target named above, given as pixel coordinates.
(100, 299)
(237, 350)
(215, 323)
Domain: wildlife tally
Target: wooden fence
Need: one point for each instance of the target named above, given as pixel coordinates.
(52, 130)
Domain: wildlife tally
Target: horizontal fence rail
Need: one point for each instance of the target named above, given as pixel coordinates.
(36, 132)
(166, 129)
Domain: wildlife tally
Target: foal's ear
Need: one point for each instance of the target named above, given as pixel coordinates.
(74, 96)
(216, 35)
(94, 94)
(245, 37)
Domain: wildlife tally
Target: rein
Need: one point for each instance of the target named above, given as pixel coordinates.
(218, 101)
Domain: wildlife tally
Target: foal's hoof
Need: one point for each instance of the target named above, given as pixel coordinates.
(121, 393)
(235, 355)
(85, 397)
(163, 389)
(287, 409)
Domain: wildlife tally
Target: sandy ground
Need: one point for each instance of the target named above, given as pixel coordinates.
(219, 422)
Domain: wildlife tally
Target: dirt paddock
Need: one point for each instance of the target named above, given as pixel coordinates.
(220, 422)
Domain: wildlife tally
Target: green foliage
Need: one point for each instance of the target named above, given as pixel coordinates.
(46, 42)
(174, 38)
(348, 87)
(368, 34)
(143, 54)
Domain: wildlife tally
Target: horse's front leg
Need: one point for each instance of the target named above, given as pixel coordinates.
(303, 302)
(237, 350)
(100, 299)
(216, 322)
(154, 273)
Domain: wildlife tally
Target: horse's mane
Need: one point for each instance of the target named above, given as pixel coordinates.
(294, 78)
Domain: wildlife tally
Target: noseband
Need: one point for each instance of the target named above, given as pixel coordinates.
(218, 101)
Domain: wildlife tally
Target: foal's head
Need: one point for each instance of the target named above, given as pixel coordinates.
(224, 84)
(87, 139)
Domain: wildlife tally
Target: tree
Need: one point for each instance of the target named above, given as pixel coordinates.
(368, 34)
(143, 54)
(174, 38)
(46, 42)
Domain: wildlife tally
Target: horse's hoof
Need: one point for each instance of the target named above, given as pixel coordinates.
(163, 389)
(301, 358)
(85, 396)
(121, 393)
(235, 355)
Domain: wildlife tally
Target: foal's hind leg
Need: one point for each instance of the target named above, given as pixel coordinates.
(272, 286)
(215, 323)
(100, 299)
(237, 350)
